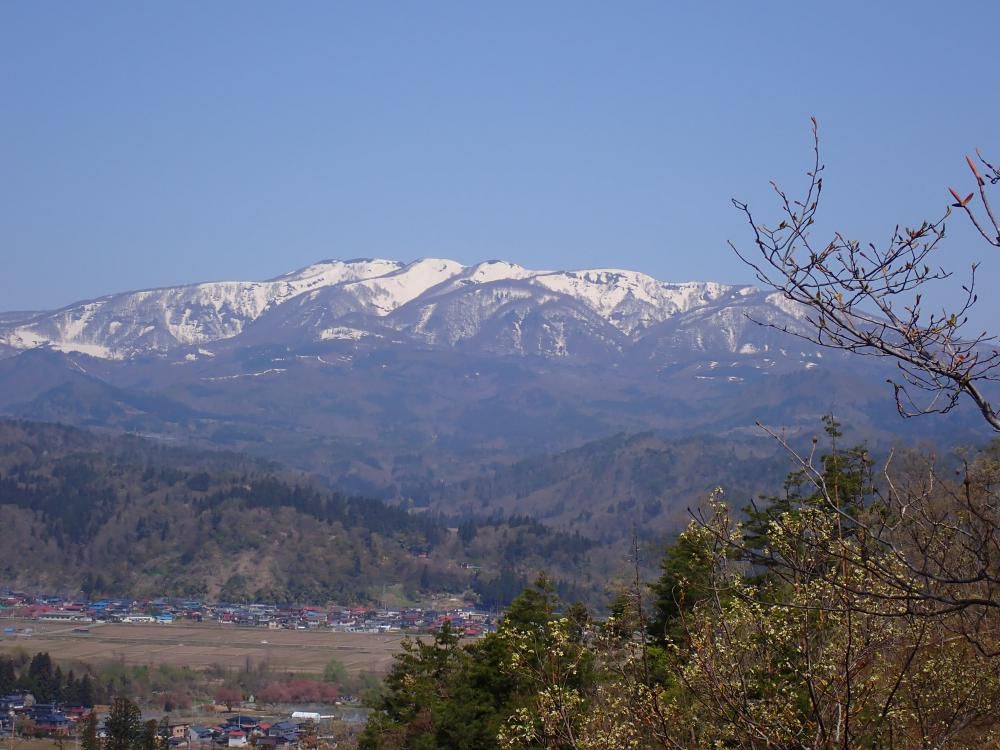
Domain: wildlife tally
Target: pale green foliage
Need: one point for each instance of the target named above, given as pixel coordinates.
(582, 699)
(335, 672)
(845, 616)
(829, 652)
(544, 654)
(821, 653)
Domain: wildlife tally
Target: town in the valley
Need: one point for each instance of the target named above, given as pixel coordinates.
(243, 721)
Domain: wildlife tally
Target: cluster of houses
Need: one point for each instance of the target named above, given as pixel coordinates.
(241, 731)
(55, 720)
(17, 604)
(468, 620)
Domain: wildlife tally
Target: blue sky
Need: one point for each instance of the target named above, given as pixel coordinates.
(152, 144)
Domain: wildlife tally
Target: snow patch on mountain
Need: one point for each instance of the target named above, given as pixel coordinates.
(483, 273)
(387, 293)
(494, 306)
(630, 300)
(333, 272)
(149, 320)
(343, 333)
(786, 305)
(461, 316)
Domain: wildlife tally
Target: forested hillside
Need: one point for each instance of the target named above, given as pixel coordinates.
(102, 514)
(625, 484)
(855, 606)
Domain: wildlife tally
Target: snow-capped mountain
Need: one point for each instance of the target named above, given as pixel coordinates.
(389, 377)
(120, 326)
(495, 307)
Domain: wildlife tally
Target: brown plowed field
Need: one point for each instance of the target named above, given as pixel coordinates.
(201, 645)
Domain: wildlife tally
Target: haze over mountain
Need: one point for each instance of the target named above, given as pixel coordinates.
(398, 380)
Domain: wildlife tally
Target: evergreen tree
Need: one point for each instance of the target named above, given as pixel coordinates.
(88, 738)
(124, 726)
(149, 736)
(685, 580)
(441, 696)
(85, 695)
(56, 685)
(40, 679)
(467, 531)
(844, 478)
(71, 689)
(534, 607)
(8, 677)
(163, 730)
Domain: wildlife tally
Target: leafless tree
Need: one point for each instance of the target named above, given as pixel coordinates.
(929, 537)
(941, 534)
(869, 300)
(886, 584)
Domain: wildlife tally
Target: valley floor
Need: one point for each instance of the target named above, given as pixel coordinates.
(201, 645)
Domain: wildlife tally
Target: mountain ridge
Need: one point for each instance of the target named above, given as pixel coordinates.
(472, 367)
(369, 296)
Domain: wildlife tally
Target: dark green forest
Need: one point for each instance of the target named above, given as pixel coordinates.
(47, 682)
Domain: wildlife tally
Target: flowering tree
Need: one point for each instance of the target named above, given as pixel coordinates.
(228, 696)
(795, 627)
(825, 655)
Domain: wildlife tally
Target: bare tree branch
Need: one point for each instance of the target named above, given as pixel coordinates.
(869, 300)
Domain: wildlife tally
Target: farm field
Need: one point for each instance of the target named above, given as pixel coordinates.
(200, 645)
(24, 743)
